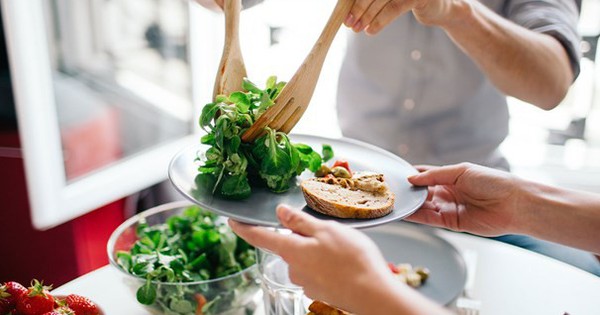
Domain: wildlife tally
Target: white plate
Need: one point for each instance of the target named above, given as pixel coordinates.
(259, 208)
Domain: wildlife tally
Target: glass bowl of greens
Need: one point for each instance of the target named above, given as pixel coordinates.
(180, 259)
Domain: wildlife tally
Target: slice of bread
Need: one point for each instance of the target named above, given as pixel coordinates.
(337, 199)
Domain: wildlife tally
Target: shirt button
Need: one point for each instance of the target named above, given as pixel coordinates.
(415, 55)
(402, 149)
(409, 104)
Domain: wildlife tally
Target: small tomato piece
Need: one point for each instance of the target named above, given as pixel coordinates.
(344, 164)
(393, 268)
(201, 300)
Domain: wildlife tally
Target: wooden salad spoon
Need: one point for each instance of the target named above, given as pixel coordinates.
(232, 70)
(295, 96)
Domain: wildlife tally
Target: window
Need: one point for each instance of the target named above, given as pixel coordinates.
(104, 98)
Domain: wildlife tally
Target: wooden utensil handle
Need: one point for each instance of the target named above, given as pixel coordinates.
(232, 10)
(339, 14)
(231, 70)
(312, 64)
(293, 100)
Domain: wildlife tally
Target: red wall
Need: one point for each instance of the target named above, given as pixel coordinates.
(57, 255)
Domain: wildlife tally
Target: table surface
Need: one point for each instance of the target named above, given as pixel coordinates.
(508, 280)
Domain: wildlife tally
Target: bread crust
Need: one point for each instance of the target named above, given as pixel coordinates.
(322, 308)
(340, 202)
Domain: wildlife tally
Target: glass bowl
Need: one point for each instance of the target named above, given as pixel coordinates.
(237, 293)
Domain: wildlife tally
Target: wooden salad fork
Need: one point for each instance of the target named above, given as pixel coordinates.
(232, 70)
(295, 96)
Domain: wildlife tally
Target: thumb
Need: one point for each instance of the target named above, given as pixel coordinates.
(444, 175)
(297, 221)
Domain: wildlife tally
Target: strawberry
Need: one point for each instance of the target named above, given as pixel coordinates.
(81, 305)
(10, 292)
(36, 301)
(4, 307)
(63, 310)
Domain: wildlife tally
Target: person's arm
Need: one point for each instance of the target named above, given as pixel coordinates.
(338, 265)
(563, 216)
(470, 198)
(530, 65)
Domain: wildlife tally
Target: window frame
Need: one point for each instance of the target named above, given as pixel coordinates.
(53, 199)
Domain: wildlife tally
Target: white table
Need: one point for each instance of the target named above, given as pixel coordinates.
(508, 280)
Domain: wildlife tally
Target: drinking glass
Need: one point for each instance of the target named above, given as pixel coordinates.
(281, 296)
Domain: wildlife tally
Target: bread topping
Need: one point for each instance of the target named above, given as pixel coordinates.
(365, 181)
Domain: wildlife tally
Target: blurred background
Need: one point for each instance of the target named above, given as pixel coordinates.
(114, 87)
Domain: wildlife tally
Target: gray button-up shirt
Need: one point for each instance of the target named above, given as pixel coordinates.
(412, 91)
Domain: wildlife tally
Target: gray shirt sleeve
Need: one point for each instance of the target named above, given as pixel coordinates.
(557, 18)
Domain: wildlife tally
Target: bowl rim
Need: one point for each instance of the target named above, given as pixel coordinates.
(146, 213)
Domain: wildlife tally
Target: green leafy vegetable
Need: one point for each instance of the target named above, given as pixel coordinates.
(146, 294)
(189, 247)
(327, 152)
(229, 166)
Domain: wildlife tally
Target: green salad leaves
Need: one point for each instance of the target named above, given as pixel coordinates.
(189, 247)
(231, 166)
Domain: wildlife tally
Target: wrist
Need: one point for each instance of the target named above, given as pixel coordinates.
(387, 295)
(374, 290)
(460, 14)
(533, 199)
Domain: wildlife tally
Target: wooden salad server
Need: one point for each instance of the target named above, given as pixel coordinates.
(295, 96)
(232, 70)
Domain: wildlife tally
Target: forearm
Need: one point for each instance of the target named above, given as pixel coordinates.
(563, 216)
(531, 66)
(393, 297)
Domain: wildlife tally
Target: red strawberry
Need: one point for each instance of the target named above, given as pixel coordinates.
(4, 307)
(10, 292)
(81, 305)
(64, 310)
(36, 301)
